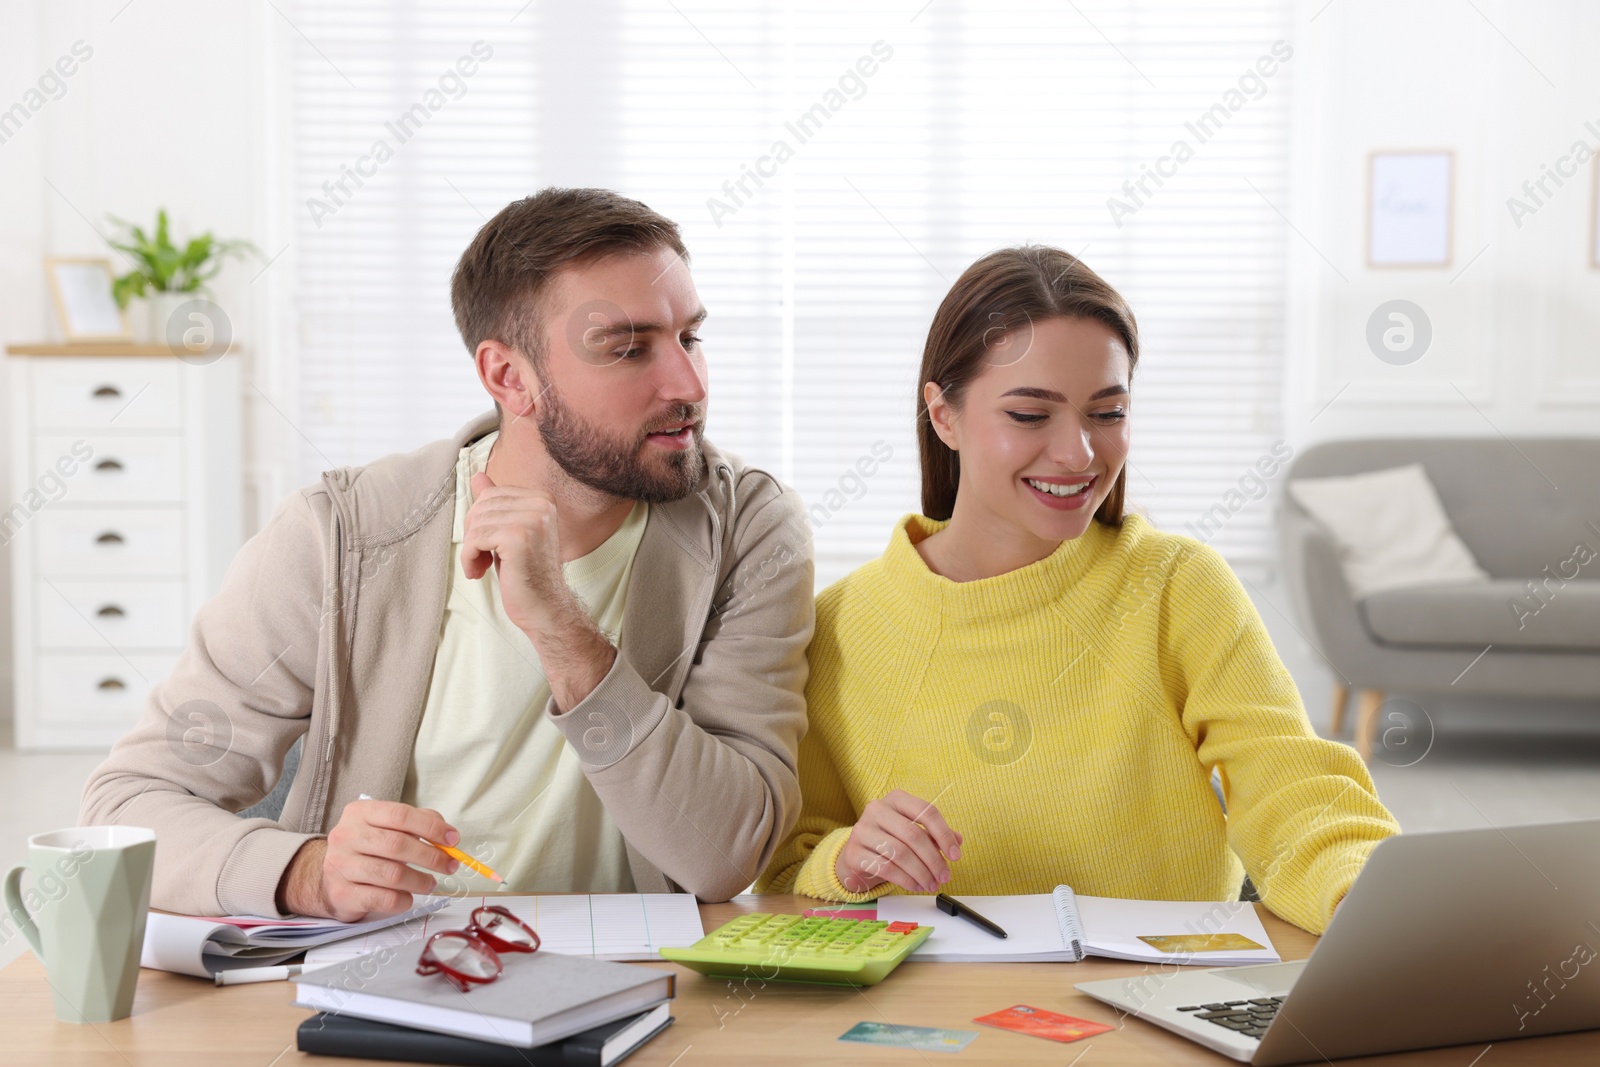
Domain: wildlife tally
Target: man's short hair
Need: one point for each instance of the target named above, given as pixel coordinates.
(511, 263)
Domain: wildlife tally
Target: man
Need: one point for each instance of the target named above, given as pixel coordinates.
(443, 627)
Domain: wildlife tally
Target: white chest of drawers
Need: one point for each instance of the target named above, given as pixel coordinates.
(125, 509)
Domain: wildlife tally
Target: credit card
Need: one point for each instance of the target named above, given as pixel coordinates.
(917, 1038)
(1041, 1023)
(1198, 942)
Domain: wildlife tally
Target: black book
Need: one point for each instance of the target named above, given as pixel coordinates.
(325, 1034)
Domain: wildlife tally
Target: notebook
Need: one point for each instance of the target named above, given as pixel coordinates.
(603, 926)
(600, 1046)
(1063, 926)
(191, 944)
(539, 997)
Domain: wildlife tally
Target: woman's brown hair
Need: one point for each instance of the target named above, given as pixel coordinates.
(1001, 292)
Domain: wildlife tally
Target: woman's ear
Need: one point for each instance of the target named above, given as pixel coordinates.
(942, 414)
(509, 377)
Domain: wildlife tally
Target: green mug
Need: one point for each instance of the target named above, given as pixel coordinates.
(85, 915)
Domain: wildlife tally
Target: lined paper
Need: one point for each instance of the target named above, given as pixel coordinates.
(603, 926)
(1111, 927)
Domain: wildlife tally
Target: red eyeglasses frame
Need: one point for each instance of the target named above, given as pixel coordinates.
(478, 932)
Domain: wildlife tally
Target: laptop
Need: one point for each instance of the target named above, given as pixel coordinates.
(1452, 938)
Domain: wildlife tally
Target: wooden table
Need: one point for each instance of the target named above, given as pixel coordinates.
(180, 1021)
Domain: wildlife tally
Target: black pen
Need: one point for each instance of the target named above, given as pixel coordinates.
(951, 906)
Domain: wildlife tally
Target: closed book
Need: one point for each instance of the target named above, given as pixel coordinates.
(539, 997)
(600, 1046)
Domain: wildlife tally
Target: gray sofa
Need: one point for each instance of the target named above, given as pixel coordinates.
(1529, 510)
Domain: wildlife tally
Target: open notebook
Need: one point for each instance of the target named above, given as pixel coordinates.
(603, 926)
(1063, 926)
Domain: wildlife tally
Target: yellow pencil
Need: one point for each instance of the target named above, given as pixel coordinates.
(456, 854)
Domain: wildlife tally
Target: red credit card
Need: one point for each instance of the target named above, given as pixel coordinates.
(1041, 1023)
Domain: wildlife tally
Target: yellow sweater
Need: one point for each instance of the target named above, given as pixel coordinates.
(1065, 719)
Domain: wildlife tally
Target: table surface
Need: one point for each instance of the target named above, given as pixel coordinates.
(179, 1021)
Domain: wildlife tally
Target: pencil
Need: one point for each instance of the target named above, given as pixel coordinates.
(455, 854)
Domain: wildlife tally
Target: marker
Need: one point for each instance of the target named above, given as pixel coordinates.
(247, 975)
(456, 854)
(951, 906)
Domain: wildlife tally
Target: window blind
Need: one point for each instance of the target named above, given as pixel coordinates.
(400, 155)
(834, 166)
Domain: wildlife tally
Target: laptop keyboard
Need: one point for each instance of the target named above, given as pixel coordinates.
(1248, 1017)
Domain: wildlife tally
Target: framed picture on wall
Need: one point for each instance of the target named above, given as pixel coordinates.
(84, 304)
(1409, 205)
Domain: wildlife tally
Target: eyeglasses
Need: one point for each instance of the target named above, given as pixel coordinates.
(472, 956)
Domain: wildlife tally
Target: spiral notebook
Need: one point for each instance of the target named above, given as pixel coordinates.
(200, 946)
(1065, 926)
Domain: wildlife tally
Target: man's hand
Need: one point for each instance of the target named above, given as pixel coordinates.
(360, 871)
(898, 839)
(516, 531)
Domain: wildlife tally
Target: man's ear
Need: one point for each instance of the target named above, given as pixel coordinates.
(942, 414)
(509, 377)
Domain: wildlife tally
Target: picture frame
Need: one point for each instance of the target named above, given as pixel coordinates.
(1410, 208)
(81, 289)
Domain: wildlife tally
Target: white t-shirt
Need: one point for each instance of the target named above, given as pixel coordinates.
(487, 758)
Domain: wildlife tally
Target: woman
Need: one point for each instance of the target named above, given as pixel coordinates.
(1029, 688)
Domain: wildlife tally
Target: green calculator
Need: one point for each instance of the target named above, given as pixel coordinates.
(793, 948)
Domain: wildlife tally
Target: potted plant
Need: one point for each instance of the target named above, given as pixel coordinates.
(165, 274)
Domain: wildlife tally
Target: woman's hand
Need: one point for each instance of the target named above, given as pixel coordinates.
(898, 839)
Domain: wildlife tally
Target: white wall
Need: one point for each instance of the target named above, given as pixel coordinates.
(1508, 90)
(1516, 331)
(168, 111)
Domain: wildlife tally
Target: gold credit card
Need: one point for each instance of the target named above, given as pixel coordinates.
(1198, 942)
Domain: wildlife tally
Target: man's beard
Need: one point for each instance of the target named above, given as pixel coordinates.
(611, 466)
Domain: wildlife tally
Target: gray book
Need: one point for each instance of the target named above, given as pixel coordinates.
(538, 998)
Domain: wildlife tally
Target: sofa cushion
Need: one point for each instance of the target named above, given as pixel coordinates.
(1389, 530)
(1503, 613)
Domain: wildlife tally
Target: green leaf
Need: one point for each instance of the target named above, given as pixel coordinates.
(127, 287)
(161, 266)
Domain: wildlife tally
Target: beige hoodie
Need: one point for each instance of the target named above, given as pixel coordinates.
(326, 627)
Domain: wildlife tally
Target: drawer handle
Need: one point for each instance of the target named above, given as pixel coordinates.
(108, 465)
(111, 683)
(107, 392)
(110, 611)
(110, 537)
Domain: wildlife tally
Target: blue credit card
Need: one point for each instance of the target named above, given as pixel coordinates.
(917, 1038)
